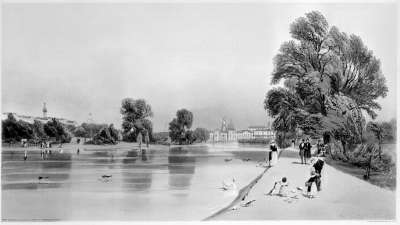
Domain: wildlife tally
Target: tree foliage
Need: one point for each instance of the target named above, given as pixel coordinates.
(57, 130)
(329, 78)
(13, 130)
(179, 127)
(201, 134)
(136, 118)
(106, 135)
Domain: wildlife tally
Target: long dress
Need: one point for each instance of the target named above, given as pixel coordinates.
(274, 155)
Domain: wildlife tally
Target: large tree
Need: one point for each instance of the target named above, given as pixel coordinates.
(179, 127)
(329, 78)
(136, 118)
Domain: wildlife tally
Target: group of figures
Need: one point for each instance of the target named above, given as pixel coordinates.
(281, 187)
(305, 151)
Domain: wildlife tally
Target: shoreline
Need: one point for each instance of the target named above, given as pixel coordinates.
(243, 193)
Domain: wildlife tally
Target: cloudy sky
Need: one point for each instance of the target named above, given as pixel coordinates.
(213, 59)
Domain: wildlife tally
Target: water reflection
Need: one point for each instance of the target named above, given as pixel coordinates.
(25, 174)
(136, 177)
(181, 167)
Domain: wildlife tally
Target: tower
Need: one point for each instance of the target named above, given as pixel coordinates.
(44, 110)
(223, 125)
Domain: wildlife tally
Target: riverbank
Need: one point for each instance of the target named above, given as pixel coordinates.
(342, 197)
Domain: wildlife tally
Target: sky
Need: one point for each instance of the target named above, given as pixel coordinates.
(213, 59)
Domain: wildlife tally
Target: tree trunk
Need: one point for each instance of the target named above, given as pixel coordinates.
(380, 149)
(344, 147)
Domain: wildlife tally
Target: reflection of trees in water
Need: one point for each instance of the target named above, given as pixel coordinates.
(131, 157)
(139, 181)
(136, 181)
(59, 162)
(102, 157)
(181, 168)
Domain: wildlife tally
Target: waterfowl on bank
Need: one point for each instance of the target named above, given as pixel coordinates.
(227, 160)
(247, 204)
(42, 178)
(226, 185)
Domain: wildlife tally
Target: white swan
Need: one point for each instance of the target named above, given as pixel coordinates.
(226, 185)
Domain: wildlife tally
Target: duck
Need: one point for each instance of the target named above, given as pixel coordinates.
(229, 185)
(227, 160)
(42, 178)
(247, 204)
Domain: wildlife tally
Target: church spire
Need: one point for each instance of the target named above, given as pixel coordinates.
(44, 110)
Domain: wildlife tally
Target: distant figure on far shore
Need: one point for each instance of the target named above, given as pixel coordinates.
(77, 151)
(25, 155)
(139, 140)
(301, 150)
(147, 139)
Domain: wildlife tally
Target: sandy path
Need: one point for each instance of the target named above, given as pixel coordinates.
(342, 197)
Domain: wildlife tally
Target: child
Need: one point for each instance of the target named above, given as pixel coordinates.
(283, 186)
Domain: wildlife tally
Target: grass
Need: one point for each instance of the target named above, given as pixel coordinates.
(381, 179)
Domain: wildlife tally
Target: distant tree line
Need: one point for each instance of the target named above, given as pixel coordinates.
(14, 131)
(136, 123)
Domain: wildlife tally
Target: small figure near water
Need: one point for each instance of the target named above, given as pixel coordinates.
(273, 154)
(25, 155)
(77, 151)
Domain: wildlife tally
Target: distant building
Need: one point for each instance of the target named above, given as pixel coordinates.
(44, 119)
(227, 133)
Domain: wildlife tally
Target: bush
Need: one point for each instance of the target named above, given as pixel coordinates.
(107, 135)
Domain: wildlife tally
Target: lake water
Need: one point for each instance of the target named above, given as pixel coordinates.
(160, 183)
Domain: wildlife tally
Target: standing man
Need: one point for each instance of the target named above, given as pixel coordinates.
(301, 150)
(307, 150)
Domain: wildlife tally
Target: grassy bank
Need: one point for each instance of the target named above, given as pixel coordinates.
(384, 180)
